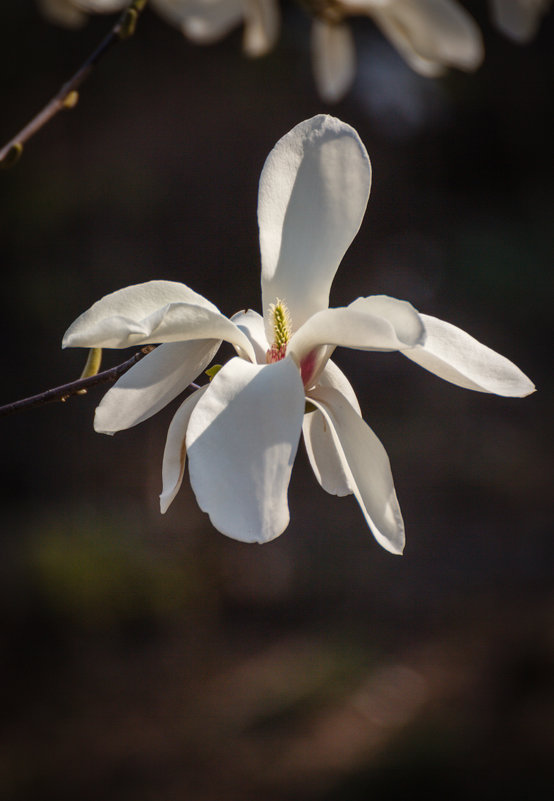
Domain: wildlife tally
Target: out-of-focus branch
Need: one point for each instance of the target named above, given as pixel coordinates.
(68, 95)
(77, 387)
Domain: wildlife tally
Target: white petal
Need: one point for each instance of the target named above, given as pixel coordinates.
(207, 22)
(312, 197)
(152, 383)
(133, 303)
(369, 466)
(158, 311)
(261, 26)
(241, 441)
(175, 453)
(401, 315)
(457, 357)
(367, 324)
(252, 325)
(327, 459)
(333, 59)
(101, 6)
(62, 12)
(431, 34)
(518, 19)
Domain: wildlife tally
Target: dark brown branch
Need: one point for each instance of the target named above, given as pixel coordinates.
(75, 387)
(68, 95)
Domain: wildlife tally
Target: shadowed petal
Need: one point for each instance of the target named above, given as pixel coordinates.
(252, 325)
(518, 19)
(312, 197)
(175, 454)
(369, 466)
(457, 357)
(327, 460)
(333, 59)
(202, 22)
(261, 26)
(152, 383)
(241, 440)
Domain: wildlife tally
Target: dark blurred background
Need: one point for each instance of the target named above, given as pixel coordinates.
(147, 657)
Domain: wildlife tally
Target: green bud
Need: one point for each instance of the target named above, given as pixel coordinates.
(212, 371)
(12, 156)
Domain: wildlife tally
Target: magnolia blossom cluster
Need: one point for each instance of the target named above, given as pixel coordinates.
(201, 21)
(240, 431)
(431, 35)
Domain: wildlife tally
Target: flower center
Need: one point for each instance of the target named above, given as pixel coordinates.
(281, 324)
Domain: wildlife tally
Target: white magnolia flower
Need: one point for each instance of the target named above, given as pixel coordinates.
(431, 35)
(241, 430)
(519, 19)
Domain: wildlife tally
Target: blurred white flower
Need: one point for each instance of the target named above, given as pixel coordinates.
(207, 21)
(431, 35)
(241, 430)
(202, 21)
(519, 19)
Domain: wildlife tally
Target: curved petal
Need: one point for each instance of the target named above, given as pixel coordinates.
(312, 197)
(518, 19)
(327, 460)
(175, 452)
(62, 12)
(207, 21)
(133, 303)
(261, 26)
(101, 6)
(152, 383)
(241, 440)
(159, 311)
(252, 325)
(431, 34)
(369, 467)
(378, 323)
(333, 59)
(457, 357)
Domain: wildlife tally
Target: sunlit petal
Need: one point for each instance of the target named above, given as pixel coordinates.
(366, 459)
(457, 357)
(159, 311)
(133, 304)
(152, 383)
(241, 440)
(432, 34)
(367, 324)
(312, 197)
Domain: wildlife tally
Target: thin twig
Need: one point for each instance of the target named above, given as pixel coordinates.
(75, 387)
(68, 95)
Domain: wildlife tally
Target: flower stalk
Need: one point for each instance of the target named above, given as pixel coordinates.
(87, 380)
